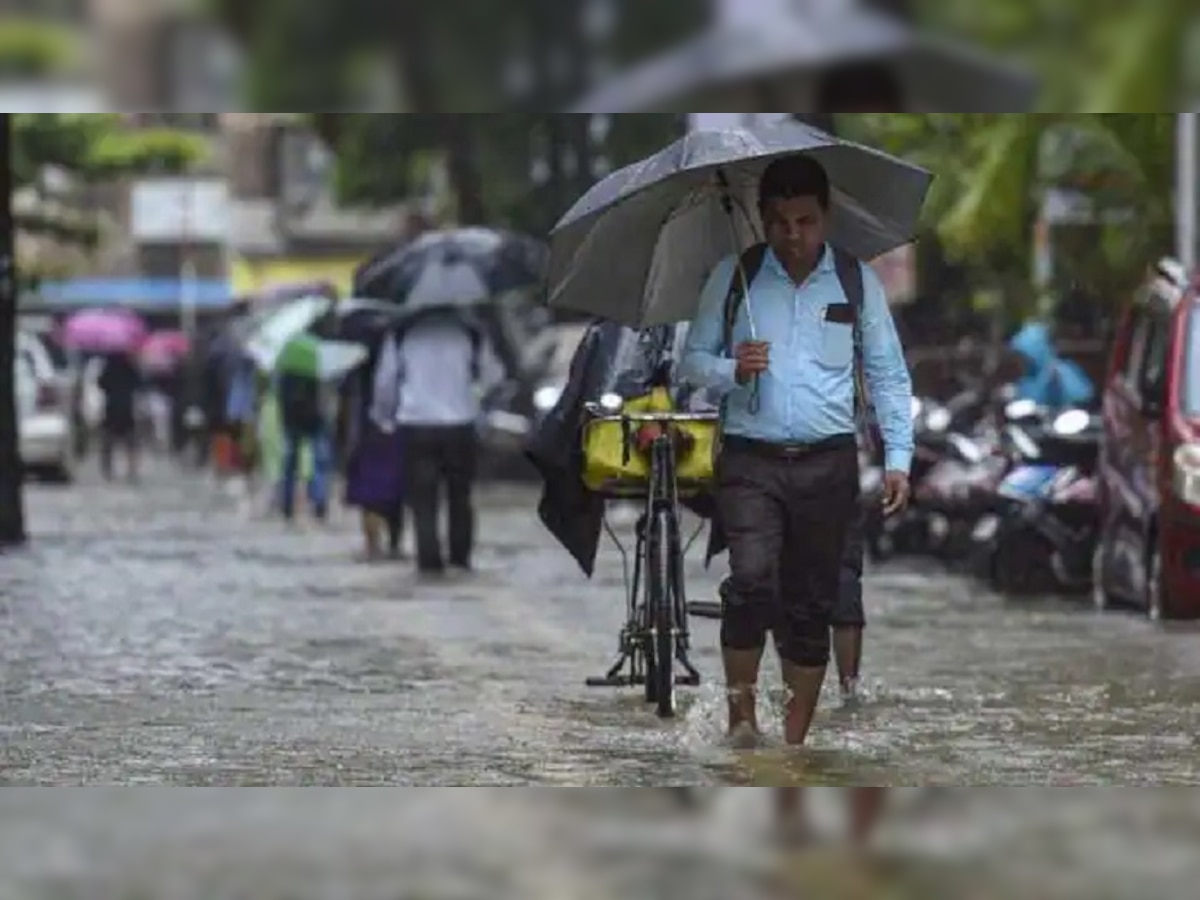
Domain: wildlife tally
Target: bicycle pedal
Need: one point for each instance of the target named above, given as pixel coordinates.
(704, 609)
(617, 681)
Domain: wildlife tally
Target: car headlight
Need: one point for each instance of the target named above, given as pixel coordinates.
(1187, 473)
(545, 397)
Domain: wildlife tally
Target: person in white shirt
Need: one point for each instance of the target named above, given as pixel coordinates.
(437, 370)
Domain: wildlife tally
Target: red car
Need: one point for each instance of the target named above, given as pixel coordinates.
(1148, 552)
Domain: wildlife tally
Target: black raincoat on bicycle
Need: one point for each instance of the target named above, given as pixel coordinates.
(611, 358)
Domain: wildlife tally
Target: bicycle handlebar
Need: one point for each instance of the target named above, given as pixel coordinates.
(601, 415)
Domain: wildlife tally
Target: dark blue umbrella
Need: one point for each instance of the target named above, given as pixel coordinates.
(453, 268)
(363, 321)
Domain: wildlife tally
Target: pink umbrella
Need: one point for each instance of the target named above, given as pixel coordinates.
(163, 350)
(167, 344)
(104, 331)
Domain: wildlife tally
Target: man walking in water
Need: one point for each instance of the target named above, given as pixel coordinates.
(787, 478)
(432, 375)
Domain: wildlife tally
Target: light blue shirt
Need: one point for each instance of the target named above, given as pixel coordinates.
(807, 394)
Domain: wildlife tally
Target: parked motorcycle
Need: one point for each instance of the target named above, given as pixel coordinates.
(1040, 533)
(947, 461)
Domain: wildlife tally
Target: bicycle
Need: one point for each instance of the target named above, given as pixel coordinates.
(655, 636)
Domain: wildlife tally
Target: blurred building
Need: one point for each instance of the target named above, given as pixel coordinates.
(286, 223)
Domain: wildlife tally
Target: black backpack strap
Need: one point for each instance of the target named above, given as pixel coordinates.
(750, 262)
(476, 349)
(850, 276)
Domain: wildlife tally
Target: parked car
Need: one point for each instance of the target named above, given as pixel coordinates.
(1148, 552)
(43, 411)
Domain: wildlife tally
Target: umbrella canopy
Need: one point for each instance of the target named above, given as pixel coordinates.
(363, 320)
(637, 247)
(778, 62)
(266, 335)
(312, 357)
(104, 331)
(166, 345)
(453, 268)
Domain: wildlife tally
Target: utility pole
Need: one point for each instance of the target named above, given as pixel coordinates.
(12, 512)
(187, 264)
(1187, 191)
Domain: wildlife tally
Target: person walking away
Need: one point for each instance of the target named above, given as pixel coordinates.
(120, 381)
(442, 364)
(374, 474)
(305, 424)
(240, 414)
(787, 477)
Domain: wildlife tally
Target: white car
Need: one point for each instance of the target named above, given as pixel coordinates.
(43, 412)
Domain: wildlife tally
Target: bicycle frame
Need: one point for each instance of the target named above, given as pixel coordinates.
(662, 499)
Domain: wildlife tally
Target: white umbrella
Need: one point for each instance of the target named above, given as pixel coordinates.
(271, 333)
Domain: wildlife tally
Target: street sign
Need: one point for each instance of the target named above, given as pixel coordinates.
(180, 210)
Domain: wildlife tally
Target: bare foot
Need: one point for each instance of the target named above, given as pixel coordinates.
(744, 736)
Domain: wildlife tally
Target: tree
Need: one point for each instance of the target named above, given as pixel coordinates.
(90, 148)
(992, 173)
(523, 58)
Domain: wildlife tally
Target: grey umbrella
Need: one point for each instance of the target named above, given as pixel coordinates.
(775, 65)
(638, 245)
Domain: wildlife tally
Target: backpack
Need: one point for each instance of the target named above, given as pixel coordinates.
(300, 404)
(850, 276)
(474, 330)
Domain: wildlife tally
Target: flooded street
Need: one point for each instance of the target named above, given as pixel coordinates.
(170, 637)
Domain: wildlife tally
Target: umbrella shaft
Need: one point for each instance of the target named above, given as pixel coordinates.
(741, 270)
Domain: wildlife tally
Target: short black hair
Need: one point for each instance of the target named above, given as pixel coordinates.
(859, 87)
(791, 176)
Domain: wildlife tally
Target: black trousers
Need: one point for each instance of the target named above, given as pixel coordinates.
(848, 611)
(786, 517)
(441, 457)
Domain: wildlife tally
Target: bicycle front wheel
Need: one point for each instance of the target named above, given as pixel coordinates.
(661, 548)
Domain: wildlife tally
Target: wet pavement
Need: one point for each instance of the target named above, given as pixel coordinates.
(170, 636)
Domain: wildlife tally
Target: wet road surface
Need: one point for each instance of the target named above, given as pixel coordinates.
(168, 636)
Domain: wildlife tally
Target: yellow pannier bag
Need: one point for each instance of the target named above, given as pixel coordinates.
(613, 464)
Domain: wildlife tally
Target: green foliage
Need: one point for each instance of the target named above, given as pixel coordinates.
(94, 147)
(91, 148)
(164, 151)
(380, 158)
(1122, 57)
(992, 172)
(453, 56)
(34, 50)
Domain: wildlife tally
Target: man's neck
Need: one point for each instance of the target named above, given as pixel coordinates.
(798, 270)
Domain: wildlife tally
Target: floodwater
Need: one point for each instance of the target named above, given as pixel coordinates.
(166, 635)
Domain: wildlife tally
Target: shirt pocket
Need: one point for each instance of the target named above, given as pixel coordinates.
(836, 350)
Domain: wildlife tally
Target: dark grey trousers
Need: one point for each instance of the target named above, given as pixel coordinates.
(437, 457)
(848, 610)
(786, 519)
